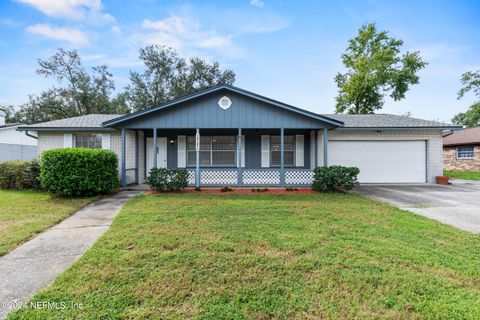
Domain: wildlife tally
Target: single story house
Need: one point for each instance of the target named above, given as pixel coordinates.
(227, 136)
(461, 150)
(15, 145)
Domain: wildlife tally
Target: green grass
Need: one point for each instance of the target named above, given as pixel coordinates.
(337, 256)
(23, 214)
(467, 175)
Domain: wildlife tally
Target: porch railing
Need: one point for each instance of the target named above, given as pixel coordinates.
(251, 177)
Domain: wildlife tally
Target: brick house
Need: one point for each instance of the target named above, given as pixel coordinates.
(461, 150)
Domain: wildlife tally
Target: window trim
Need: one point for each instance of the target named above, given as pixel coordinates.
(293, 151)
(211, 165)
(75, 139)
(457, 153)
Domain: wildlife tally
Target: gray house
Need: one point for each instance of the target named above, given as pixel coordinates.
(227, 136)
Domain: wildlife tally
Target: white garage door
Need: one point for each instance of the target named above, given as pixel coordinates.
(381, 161)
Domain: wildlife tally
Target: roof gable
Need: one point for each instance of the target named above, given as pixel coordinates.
(248, 110)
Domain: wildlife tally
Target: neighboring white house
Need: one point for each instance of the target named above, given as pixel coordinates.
(15, 145)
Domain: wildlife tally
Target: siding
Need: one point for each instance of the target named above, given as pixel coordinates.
(433, 138)
(204, 112)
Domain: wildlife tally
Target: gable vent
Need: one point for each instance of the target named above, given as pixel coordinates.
(224, 102)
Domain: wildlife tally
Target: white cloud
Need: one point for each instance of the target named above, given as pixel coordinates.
(71, 35)
(257, 3)
(187, 36)
(116, 29)
(442, 51)
(85, 10)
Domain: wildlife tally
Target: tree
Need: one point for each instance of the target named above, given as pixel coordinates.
(78, 93)
(471, 82)
(375, 68)
(10, 114)
(168, 76)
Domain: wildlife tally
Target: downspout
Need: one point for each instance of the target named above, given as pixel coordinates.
(30, 135)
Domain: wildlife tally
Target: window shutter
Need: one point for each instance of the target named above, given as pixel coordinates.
(68, 140)
(242, 151)
(265, 150)
(181, 151)
(299, 151)
(106, 141)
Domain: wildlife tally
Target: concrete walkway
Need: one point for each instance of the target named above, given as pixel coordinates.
(35, 264)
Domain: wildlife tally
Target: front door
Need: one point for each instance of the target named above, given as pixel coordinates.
(161, 153)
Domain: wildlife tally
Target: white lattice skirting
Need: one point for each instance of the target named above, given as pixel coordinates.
(298, 177)
(251, 177)
(218, 177)
(261, 177)
(191, 177)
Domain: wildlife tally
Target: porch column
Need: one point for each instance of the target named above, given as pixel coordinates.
(197, 158)
(154, 148)
(282, 158)
(137, 164)
(325, 147)
(239, 158)
(124, 165)
(315, 138)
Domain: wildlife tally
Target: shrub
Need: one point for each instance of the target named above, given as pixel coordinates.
(335, 178)
(226, 189)
(166, 180)
(19, 175)
(78, 171)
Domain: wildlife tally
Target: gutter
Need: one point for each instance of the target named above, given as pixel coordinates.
(68, 129)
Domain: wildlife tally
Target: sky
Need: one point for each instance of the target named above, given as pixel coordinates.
(286, 50)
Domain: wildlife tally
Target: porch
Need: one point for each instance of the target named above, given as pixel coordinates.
(225, 157)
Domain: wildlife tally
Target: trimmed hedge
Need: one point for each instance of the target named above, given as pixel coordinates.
(166, 180)
(79, 171)
(19, 175)
(335, 178)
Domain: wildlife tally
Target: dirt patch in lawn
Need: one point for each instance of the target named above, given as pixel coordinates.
(240, 191)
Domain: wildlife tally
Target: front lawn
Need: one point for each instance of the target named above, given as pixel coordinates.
(467, 175)
(269, 256)
(23, 214)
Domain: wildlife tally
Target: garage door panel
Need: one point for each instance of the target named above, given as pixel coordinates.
(381, 161)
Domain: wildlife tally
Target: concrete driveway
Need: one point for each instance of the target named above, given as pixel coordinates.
(457, 204)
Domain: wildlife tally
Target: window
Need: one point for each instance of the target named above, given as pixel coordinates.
(464, 152)
(289, 151)
(215, 151)
(88, 140)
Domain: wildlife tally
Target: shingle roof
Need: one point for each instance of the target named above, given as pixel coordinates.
(8, 125)
(349, 120)
(463, 137)
(85, 122)
(384, 121)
